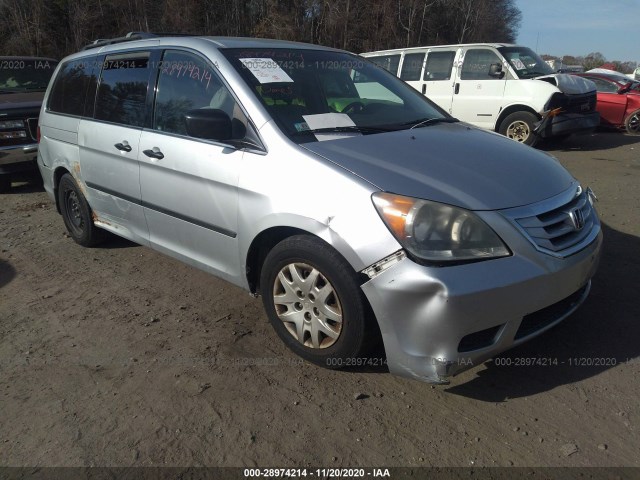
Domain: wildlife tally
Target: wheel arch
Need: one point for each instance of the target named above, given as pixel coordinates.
(264, 242)
(513, 109)
(57, 175)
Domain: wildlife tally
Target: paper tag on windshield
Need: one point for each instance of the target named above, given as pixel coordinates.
(330, 120)
(517, 63)
(266, 70)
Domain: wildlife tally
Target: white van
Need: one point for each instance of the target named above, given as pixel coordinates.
(500, 87)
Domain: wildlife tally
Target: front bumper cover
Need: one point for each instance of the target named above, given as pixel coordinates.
(424, 313)
(553, 125)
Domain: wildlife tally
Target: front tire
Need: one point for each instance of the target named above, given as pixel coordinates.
(77, 215)
(314, 302)
(632, 123)
(519, 126)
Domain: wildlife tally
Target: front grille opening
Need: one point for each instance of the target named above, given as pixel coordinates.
(555, 231)
(477, 340)
(538, 320)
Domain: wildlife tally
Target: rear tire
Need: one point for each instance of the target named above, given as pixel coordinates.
(519, 126)
(632, 123)
(314, 302)
(77, 214)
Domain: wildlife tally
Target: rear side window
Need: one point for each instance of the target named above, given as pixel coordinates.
(122, 91)
(439, 65)
(69, 92)
(476, 64)
(412, 66)
(388, 62)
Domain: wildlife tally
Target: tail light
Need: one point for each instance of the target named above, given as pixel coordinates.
(38, 134)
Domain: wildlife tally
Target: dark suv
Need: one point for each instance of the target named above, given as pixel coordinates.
(23, 81)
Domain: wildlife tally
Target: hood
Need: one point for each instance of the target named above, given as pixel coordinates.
(569, 84)
(450, 163)
(24, 100)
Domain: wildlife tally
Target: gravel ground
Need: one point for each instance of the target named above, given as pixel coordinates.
(120, 356)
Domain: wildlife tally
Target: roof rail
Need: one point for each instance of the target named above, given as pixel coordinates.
(129, 37)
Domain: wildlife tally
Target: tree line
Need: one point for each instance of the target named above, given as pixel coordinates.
(57, 28)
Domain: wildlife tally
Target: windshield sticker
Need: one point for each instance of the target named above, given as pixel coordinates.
(330, 120)
(266, 70)
(517, 64)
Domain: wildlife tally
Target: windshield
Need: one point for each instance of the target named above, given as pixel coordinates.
(526, 62)
(308, 92)
(18, 75)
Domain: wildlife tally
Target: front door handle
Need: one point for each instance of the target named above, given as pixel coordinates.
(123, 147)
(155, 153)
(457, 89)
(424, 88)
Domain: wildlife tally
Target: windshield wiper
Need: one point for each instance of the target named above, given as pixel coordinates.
(346, 129)
(429, 121)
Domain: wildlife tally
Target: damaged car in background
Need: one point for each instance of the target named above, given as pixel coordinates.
(505, 88)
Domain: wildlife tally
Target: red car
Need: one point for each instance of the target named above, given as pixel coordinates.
(618, 100)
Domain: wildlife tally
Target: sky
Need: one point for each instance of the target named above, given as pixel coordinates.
(579, 27)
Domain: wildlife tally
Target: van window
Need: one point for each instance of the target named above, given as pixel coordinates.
(69, 91)
(412, 66)
(123, 87)
(476, 64)
(388, 62)
(439, 65)
(187, 82)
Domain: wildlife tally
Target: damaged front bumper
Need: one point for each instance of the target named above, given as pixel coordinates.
(437, 322)
(556, 123)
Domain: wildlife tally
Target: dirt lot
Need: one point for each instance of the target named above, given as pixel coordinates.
(121, 356)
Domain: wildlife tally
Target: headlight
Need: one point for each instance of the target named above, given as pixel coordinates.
(12, 124)
(437, 232)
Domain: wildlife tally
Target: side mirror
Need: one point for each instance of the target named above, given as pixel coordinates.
(208, 124)
(625, 88)
(495, 70)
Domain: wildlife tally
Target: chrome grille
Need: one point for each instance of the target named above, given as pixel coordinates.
(560, 226)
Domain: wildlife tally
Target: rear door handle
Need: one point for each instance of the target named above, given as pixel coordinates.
(123, 147)
(154, 153)
(457, 89)
(424, 88)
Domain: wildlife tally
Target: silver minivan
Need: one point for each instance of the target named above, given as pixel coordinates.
(358, 209)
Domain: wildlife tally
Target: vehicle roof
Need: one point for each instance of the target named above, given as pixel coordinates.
(621, 78)
(21, 57)
(215, 42)
(396, 50)
(248, 42)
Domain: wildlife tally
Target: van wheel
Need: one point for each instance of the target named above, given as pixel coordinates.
(519, 126)
(76, 214)
(632, 123)
(314, 302)
(5, 183)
